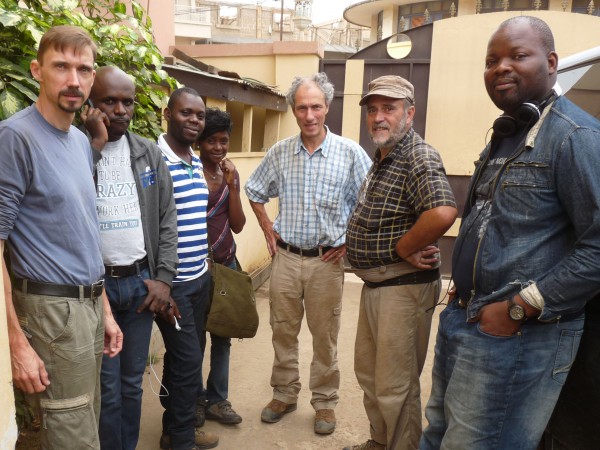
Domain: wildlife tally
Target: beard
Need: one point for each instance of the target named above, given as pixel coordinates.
(395, 136)
(70, 106)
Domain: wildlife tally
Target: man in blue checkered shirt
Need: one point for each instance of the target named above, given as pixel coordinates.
(316, 175)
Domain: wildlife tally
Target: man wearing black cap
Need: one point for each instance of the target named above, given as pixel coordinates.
(404, 206)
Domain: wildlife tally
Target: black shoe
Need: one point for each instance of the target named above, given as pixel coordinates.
(200, 414)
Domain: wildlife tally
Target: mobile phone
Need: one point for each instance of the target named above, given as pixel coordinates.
(89, 103)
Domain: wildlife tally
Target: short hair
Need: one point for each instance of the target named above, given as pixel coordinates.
(538, 25)
(179, 92)
(322, 82)
(215, 121)
(62, 37)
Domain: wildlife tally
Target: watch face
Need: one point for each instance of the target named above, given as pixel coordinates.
(516, 312)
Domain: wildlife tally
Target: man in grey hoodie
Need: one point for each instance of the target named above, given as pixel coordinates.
(138, 227)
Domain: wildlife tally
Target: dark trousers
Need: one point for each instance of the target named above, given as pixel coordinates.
(574, 424)
(183, 361)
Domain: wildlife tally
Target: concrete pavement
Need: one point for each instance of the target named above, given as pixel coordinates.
(249, 389)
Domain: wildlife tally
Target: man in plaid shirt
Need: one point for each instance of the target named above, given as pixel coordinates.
(316, 175)
(403, 208)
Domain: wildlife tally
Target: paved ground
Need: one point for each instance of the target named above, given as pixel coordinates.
(250, 391)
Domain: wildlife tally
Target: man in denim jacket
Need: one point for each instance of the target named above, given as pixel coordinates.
(525, 259)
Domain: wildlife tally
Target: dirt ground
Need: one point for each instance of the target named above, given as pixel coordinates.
(249, 389)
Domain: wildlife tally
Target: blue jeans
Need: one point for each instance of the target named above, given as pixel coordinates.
(122, 375)
(217, 384)
(493, 392)
(182, 368)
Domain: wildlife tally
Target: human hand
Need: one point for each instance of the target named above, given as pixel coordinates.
(493, 319)
(28, 370)
(334, 254)
(424, 258)
(271, 236)
(96, 123)
(159, 301)
(229, 171)
(113, 336)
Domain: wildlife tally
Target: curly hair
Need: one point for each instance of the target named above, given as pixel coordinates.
(322, 82)
(215, 120)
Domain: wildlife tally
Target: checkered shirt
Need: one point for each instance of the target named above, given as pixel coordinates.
(410, 180)
(317, 192)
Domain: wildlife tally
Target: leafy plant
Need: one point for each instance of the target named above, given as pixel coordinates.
(122, 31)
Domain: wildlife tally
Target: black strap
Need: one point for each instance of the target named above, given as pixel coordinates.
(421, 277)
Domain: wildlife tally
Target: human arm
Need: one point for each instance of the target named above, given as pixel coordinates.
(564, 282)
(261, 186)
(237, 219)
(159, 289)
(415, 245)
(266, 225)
(28, 370)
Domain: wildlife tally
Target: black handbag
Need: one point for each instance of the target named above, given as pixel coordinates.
(232, 312)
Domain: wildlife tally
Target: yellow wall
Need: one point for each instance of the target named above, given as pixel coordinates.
(8, 427)
(459, 111)
(352, 113)
(251, 245)
(274, 67)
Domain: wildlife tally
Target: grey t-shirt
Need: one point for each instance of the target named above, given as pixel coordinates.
(47, 201)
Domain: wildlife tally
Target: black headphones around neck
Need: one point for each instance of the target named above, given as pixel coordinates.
(526, 116)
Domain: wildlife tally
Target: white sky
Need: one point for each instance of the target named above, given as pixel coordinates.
(322, 10)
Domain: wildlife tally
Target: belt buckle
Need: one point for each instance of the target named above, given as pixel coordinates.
(112, 273)
(97, 288)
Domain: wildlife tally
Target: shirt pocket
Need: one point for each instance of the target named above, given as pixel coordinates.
(328, 193)
(527, 175)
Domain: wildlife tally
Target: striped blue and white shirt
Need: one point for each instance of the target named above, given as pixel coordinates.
(317, 192)
(191, 197)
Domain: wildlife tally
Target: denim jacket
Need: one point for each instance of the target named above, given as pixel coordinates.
(544, 226)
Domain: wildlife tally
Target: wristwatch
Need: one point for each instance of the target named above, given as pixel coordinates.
(515, 311)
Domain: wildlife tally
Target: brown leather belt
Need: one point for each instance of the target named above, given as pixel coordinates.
(127, 271)
(59, 290)
(312, 252)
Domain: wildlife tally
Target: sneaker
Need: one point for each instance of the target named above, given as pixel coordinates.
(369, 445)
(204, 440)
(200, 414)
(275, 410)
(224, 413)
(324, 421)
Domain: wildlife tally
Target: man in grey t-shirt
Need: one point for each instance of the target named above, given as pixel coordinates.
(59, 320)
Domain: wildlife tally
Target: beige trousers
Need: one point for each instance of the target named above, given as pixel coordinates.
(299, 284)
(391, 345)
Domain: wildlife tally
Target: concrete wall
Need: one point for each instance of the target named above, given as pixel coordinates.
(256, 129)
(459, 112)
(8, 426)
(162, 14)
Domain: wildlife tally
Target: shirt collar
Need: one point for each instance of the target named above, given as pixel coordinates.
(170, 154)
(324, 147)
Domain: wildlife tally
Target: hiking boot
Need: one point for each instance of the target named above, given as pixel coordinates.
(324, 421)
(203, 440)
(224, 413)
(369, 445)
(275, 410)
(200, 414)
